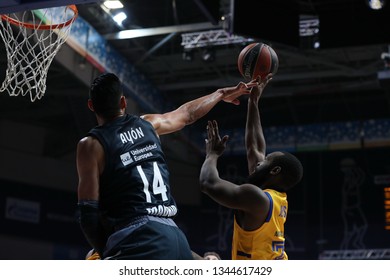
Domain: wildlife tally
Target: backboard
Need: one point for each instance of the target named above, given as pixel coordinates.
(11, 6)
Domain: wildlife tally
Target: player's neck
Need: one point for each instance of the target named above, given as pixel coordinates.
(102, 121)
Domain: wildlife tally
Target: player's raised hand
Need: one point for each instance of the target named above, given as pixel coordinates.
(214, 144)
(231, 94)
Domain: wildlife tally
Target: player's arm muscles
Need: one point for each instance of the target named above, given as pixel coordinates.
(244, 197)
(168, 122)
(193, 110)
(90, 161)
(254, 137)
(185, 115)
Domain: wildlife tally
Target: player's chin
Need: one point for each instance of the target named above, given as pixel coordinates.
(256, 178)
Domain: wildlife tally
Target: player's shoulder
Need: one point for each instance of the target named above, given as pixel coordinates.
(154, 120)
(88, 143)
(255, 198)
(251, 188)
(87, 140)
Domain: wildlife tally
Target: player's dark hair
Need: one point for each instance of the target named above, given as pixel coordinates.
(105, 93)
(292, 170)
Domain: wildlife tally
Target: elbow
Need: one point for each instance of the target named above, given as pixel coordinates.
(205, 184)
(202, 185)
(208, 177)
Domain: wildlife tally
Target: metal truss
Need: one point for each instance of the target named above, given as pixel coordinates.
(364, 254)
(211, 38)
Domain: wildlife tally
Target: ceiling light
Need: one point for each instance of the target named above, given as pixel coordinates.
(208, 55)
(113, 4)
(120, 17)
(376, 4)
(188, 55)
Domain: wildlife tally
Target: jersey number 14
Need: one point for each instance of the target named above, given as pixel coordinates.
(158, 185)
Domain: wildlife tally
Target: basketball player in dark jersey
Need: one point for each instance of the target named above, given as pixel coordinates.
(124, 197)
(261, 204)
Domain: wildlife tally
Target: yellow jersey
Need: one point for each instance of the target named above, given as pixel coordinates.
(266, 242)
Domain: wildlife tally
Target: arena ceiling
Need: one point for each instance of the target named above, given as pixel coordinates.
(336, 82)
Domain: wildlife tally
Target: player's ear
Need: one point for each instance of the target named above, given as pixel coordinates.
(90, 105)
(123, 102)
(276, 170)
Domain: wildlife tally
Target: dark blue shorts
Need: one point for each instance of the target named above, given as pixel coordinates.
(148, 238)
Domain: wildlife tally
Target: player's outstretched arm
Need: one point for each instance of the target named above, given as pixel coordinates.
(242, 197)
(193, 110)
(254, 137)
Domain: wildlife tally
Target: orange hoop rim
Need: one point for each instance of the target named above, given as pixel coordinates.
(44, 26)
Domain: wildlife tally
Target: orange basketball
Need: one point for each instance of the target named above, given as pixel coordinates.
(257, 59)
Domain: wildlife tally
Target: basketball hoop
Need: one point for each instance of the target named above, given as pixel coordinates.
(32, 39)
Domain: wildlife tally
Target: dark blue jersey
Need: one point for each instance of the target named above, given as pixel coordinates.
(135, 180)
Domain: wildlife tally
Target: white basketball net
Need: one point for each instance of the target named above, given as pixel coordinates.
(31, 49)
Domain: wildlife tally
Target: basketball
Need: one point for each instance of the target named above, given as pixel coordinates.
(257, 59)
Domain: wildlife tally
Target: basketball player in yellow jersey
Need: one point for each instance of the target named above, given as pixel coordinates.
(261, 204)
